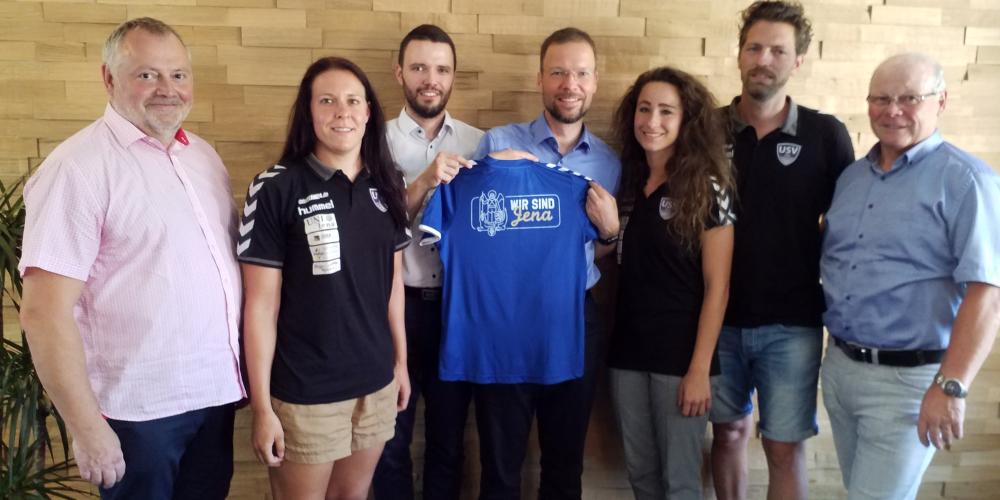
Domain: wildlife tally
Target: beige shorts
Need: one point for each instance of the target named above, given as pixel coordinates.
(323, 433)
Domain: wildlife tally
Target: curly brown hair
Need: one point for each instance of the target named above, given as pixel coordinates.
(699, 158)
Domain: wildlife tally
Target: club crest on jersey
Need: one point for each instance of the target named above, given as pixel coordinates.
(377, 200)
(788, 153)
(666, 208)
(493, 212)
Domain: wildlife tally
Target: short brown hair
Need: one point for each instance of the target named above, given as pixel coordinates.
(566, 35)
(779, 11)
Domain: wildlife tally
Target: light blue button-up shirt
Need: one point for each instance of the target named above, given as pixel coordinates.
(590, 156)
(901, 245)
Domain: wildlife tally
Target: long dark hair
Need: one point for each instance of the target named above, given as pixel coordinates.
(698, 161)
(375, 154)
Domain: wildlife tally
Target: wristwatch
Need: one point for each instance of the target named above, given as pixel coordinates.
(608, 241)
(951, 386)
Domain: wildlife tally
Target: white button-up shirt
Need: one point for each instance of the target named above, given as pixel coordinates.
(412, 153)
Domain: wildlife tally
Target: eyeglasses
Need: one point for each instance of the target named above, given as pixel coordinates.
(903, 101)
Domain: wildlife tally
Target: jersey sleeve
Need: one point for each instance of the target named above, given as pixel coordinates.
(262, 227)
(590, 232)
(432, 221)
(841, 153)
(723, 212)
(63, 222)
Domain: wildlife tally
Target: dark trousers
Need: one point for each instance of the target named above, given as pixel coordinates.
(446, 406)
(186, 456)
(504, 414)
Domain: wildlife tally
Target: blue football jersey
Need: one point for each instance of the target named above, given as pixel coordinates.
(511, 236)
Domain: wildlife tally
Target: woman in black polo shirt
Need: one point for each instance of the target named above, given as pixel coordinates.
(321, 249)
(675, 255)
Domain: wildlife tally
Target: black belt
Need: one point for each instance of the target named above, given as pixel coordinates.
(428, 294)
(888, 357)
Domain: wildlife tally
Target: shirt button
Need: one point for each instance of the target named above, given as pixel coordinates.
(870, 205)
(860, 236)
(882, 177)
(847, 328)
(848, 297)
(855, 266)
(434, 276)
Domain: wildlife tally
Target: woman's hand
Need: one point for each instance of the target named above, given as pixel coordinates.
(694, 396)
(402, 385)
(268, 438)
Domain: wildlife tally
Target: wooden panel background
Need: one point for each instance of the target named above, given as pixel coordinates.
(249, 55)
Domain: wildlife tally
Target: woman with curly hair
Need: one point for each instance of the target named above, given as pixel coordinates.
(321, 249)
(675, 255)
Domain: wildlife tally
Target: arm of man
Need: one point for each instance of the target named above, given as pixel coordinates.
(442, 170)
(47, 304)
(694, 395)
(397, 327)
(260, 333)
(602, 210)
(972, 335)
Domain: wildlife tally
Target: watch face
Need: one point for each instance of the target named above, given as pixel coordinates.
(953, 388)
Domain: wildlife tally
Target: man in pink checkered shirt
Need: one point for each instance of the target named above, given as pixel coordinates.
(131, 288)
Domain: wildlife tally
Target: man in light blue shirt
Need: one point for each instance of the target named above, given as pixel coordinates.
(504, 412)
(911, 273)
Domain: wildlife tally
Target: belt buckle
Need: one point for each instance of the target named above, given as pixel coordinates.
(870, 354)
(430, 293)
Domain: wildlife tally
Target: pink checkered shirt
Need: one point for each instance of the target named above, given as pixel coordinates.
(150, 231)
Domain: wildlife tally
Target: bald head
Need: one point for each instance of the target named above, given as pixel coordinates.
(905, 99)
(912, 66)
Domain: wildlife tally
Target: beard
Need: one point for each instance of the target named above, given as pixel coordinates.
(562, 117)
(428, 112)
(763, 91)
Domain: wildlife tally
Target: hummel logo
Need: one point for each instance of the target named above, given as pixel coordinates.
(250, 208)
(246, 227)
(242, 247)
(254, 187)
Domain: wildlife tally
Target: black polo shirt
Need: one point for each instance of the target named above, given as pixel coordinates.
(334, 242)
(660, 288)
(785, 182)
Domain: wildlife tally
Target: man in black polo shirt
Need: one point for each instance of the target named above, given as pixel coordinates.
(787, 159)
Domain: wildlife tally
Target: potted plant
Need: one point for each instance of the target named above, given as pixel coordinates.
(29, 466)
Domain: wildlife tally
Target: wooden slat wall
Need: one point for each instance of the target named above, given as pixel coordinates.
(249, 55)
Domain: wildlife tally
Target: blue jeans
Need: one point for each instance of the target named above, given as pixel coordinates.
(186, 456)
(662, 447)
(782, 363)
(873, 413)
(446, 407)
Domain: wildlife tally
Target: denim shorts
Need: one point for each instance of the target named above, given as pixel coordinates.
(782, 363)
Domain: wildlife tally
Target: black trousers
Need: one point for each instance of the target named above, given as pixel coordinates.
(504, 414)
(446, 406)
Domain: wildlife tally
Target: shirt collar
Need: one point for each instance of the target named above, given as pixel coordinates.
(540, 132)
(326, 172)
(917, 152)
(127, 133)
(408, 125)
(790, 127)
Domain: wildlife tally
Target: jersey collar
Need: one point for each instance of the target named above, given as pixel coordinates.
(790, 127)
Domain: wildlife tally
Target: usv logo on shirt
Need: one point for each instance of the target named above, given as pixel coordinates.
(493, 212)
(788, 153)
